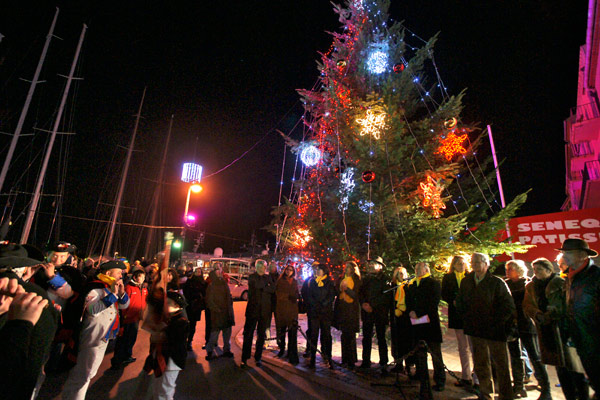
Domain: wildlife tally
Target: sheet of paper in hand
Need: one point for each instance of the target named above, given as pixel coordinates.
(418, 321)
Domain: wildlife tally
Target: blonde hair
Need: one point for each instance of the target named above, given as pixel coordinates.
(353, 266)
(519, 266)
(399, 271)
(455, 260)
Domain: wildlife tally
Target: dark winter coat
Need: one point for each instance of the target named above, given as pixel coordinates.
(424, 299)
(18, 376)
(220, 303)
(194, 291)
(547, 298)
(583, 309)
(177, 332)
(321, 298)
(373, 291)
(449, 294)
(304, 294)
(517, 290)
(488, 308)
(260, 290)
(347, 315)
(286, 290)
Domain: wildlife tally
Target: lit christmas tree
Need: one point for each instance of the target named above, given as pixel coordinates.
(383, 153)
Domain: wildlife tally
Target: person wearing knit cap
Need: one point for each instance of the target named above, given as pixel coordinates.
(376, 301)
(104, 297)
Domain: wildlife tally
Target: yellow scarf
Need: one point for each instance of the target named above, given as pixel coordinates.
(459, 277)
(418, 279)
(349, 285)
(400, 299)
(320, 280)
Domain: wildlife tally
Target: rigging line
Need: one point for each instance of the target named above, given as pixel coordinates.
(119, 223)
(477, 183)
(387, 155)
(255, 144)
(483, 174)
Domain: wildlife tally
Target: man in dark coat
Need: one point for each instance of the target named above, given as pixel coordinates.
(258, 312)
(375, 303)
(321, 295)
(583, 305)
(194, 291)
(220, 303)
(488, 313)
(307, 308)
(422, 301)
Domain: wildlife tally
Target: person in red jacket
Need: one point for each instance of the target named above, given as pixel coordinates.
(130, 320)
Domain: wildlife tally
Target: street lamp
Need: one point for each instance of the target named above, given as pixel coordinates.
(196, 188)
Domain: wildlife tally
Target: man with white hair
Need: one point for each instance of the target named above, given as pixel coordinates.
(258, 312)
(516, 280)
(488, 314)
(583, 305)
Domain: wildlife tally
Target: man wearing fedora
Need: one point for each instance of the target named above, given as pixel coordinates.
(104, 297)
(375, 310)
(583, 305)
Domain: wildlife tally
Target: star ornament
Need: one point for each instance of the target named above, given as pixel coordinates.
(372, 124)
(452, 145)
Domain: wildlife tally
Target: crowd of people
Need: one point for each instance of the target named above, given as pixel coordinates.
(59, 313)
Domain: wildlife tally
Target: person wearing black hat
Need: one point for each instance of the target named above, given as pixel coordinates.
(583, 305)
(375, 303)
(19, 377)
(173, 352)
(49, 278)
(104, 297)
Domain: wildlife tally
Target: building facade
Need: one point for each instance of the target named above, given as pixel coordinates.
(582, 127)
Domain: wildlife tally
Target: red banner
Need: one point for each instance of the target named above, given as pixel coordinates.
(548, 231)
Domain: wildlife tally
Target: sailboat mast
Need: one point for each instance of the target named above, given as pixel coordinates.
(38, 187)
(115, 214)
(157, 192)
(34, 82)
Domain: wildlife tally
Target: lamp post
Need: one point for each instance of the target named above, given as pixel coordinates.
(188, 220)
(196, 188)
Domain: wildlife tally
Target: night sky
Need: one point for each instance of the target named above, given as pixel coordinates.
(228, 71)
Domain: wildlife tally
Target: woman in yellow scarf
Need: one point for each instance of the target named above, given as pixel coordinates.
(321, 295)
(402, 336)
(347, 313)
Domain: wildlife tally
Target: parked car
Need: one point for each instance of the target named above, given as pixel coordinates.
(238, 285)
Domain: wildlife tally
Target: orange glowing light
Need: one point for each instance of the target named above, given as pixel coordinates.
(301, 238)
(452, 146)
(432, 196)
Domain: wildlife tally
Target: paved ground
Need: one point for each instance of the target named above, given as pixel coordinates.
(276, 379)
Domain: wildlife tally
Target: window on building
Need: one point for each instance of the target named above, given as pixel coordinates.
(581, 149)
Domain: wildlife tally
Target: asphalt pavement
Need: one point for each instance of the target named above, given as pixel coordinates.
(223, 378)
